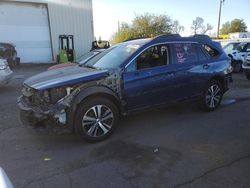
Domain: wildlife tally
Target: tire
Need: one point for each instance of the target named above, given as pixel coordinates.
(212, 96)
(237, 67)
(248, 76)
(96, 119)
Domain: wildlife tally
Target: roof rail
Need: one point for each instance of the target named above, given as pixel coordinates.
(201, 37)
(166, 36)
(136, 38)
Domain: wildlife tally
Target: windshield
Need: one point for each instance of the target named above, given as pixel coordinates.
(113, 57)
(84, 58)
(231, 46)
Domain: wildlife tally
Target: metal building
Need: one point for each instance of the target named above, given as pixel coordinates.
(34, 26)
(239, 35)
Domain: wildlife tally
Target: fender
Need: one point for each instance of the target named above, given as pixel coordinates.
(86, 92)
(94, 90)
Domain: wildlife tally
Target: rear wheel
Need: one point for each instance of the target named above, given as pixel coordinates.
(96, 119)
(212, 96)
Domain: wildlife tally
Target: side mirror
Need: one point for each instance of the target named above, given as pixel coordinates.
(4, 180)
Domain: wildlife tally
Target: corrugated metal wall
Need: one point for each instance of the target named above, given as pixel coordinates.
(72, 17)
(69, 17)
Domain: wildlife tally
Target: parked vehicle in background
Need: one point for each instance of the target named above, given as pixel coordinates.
(237, 51)
(8, 52)
(80, 61)
(246, 65)
(126, 78)
(101, 44)
(5, 72)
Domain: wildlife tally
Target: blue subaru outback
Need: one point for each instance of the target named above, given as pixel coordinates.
(126, 78)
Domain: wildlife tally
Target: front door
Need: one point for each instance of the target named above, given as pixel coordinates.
(149, 79)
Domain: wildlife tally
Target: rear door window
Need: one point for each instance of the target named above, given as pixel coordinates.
(185, 52)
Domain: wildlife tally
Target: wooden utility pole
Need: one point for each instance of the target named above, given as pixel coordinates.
(218, 29)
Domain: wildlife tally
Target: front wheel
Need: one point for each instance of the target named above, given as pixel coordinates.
(96, 119)
(212, 96)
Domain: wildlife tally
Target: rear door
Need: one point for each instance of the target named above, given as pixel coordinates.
(186, 82)
(149, 79)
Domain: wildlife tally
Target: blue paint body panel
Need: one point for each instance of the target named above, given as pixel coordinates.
(64, 77)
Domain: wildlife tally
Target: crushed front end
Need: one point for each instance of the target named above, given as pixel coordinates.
(44, 107)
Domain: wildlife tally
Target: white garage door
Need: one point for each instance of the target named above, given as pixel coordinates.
(26, 26)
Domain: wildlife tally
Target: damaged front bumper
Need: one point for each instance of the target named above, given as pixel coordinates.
(33, 115)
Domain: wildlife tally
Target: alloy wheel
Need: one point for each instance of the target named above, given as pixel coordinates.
(98, 121)
(213, 96)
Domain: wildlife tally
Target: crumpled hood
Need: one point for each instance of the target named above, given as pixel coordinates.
(236, 55)
(64, 76)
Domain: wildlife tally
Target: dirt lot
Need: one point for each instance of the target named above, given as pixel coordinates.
(178, 146)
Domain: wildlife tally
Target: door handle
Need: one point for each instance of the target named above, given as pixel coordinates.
(206, 66)
(170, 74)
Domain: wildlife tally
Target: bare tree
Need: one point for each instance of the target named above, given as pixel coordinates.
(198, 26)
(176, 27)
(207, 28)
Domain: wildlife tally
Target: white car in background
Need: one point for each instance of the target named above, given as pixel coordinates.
(5, 72)
(246, 65)
(237, 51)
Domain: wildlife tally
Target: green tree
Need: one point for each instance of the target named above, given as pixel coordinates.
(125, 32)
(146, 25)
(198, 26)
(225, 28)
(236, 25)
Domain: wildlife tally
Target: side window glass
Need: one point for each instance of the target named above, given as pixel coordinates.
(201, 54)
(131, 67)
(185, 53)
(230, 47)
(210, 50)
(153, 57)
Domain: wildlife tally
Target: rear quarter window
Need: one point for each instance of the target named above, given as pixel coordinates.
(212, 52)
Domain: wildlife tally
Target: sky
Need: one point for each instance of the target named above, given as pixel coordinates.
(107, 13)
